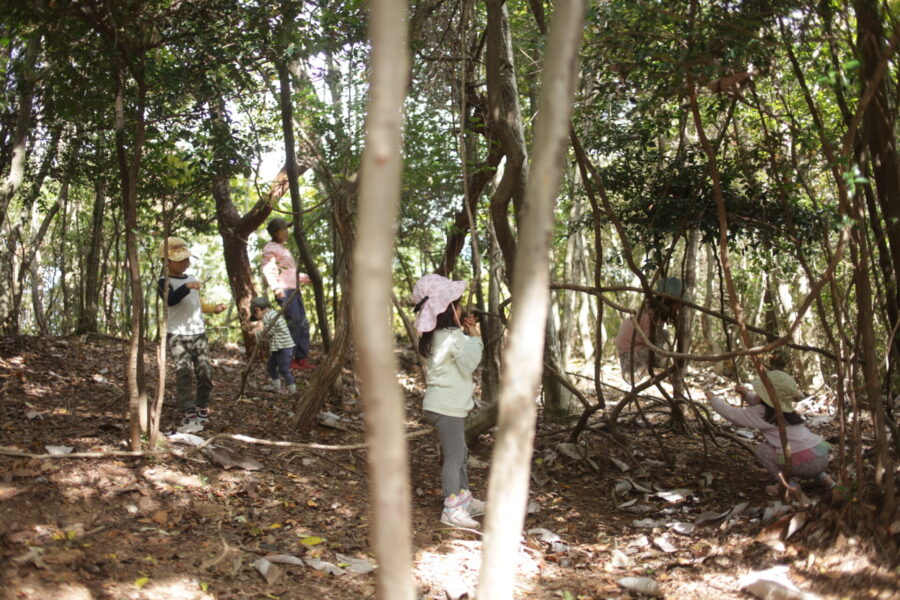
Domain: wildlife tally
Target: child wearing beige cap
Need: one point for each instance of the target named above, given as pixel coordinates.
(809, 452)
(187, 333)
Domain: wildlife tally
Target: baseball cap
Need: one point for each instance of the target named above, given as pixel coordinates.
(178, 249)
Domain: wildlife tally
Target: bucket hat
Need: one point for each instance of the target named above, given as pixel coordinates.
(433, 294)
(786, 390)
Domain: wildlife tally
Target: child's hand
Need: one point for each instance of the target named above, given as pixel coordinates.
(304, 278)
(709, 394)
(192, 285)
(471, 326)
(219, 308)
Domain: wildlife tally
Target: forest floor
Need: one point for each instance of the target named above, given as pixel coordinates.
(678, 511)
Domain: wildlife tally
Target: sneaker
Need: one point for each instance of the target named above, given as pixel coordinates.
(202, 415)
(473, 505)
(292, 389)
(825, 480)
(302, 364)
(476, 507)
(191, 423)
(458, 516)
(273, 386)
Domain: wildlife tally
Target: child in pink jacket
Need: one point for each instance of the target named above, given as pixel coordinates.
(809, 452)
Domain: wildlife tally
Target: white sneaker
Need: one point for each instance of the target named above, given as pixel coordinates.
(458, 516)
(476, 507)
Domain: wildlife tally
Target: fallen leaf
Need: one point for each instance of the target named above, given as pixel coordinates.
(160, 517)
(311, 541)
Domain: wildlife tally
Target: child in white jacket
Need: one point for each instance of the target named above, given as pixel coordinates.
(453, 349)
(809, 452)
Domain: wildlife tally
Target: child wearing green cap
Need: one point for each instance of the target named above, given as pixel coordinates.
(809, 452)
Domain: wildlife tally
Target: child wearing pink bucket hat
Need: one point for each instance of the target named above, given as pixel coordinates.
(453, 349)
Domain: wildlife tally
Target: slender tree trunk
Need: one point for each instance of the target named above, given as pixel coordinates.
(87, 319)
(310, 267)
(31, 249)
(19, 157)
(128, 173)
(508, 483)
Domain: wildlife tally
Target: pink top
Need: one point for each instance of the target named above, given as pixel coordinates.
(627, 332)
(799, 437)
(279, 268)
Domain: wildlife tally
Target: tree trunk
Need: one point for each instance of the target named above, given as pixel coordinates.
(878, 126)
(372, 285)
(235, 230)
(685, 320)
(506, 124)
(128, 173)
(19, 153)
(324, 377)
(87, 318)
(508, 483)
(309, 265)
(30, 250)
(486, 417)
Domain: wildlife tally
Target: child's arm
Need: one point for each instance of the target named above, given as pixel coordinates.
(467, 352)
(271, 270)
(738, 416)
(175, 296)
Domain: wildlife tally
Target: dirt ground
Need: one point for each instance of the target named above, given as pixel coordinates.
(677, 510)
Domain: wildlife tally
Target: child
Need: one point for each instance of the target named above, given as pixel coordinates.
(187, 332)
(453, 350)
(634, 354)
(280, 271)
(281, 346)
(809, 453)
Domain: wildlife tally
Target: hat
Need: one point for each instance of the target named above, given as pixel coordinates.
(786, 390)
(432, 295)
(277, 224)
(178, 249)
(672, 286)
(258, 302)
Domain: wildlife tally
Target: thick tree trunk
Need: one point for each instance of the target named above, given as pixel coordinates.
(506, 124)
(510, 471)
(372, 289)
(235, 230)
(878, 126)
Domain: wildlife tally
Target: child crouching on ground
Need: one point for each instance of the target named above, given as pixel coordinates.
(453, 349)
(281, 345)
(809, 452)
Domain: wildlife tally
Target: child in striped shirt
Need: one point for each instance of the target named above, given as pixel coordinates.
(281, 344)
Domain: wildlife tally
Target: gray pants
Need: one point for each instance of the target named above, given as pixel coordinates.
(768, 456)
(451, 433)
(190, 353)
